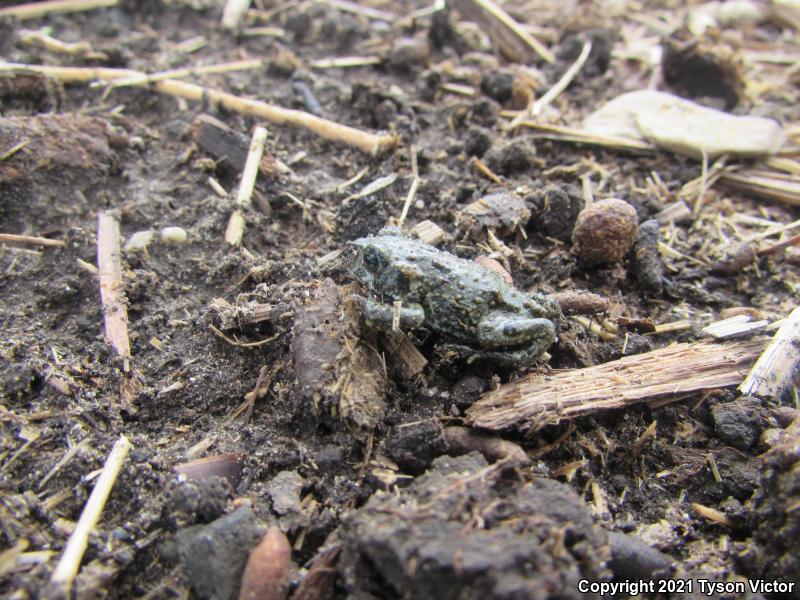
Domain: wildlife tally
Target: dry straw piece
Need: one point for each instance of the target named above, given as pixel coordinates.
(70, 562)
(370, 143)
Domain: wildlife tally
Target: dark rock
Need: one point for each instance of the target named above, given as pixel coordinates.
(632, 559)
(442, 35)
(554, 210)
(646, 263)
(17, 381)
(704, 67)
(195, 501)
(478, 142)
(414, 446)
(784, 415)
(739, 475)
(214, 555)
(774, 517)
(329, 456)
(299, 24)
(467, 390)
(740, 422)
(600, 55)
(430, 81)
(408, 54)
(484, 111)
(284, 491)
(513, 156)
(734, 509)
(500, 212)
(498, 85)
(360, 217)
(535, 542)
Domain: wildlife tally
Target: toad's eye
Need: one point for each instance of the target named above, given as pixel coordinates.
(372, 259)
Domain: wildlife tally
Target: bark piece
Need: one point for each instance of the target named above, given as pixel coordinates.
(539, 400)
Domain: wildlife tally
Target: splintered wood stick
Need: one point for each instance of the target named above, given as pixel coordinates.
(776, 368)
(109, 267)
(70, 562)
(370, 143)
(29, 240)
(34, 10)
(539, 400)
(235, 230)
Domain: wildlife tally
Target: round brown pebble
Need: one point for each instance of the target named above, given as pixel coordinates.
(605, 231)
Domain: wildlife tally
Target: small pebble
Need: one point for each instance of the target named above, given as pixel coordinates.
(173, 235)
(501, 212)
(408, 54)
(646, 261)
(514, 156)
(555, 210)
(605, 231)
(139, 241)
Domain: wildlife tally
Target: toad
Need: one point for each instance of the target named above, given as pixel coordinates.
(470, 306)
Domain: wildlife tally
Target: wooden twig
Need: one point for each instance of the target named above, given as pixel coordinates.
(109, 267)
(42, 40)
(778, 246)
(345, 62)
(412, 192)
(34, 10)
(535, 108)
(70, 562)
(6, 154)
(233, 12)
(776, 368)
(235, 230)
(514, 42)
(358, 9)
(215, 69)
(370, 143)
(481, 167)
(539, 400)
(29, 240)
(68, 455)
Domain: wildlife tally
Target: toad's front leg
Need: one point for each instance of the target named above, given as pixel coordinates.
(381, 315)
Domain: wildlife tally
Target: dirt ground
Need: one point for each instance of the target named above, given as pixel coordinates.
(358, 464)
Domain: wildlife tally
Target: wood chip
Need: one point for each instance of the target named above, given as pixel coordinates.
(537, 400)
